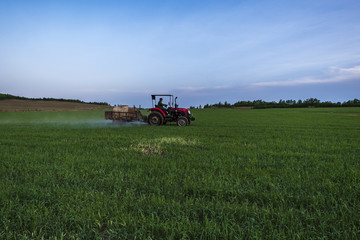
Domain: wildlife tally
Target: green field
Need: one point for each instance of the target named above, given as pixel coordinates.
(231, 174)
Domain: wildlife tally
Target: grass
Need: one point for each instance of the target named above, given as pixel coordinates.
(232, 174)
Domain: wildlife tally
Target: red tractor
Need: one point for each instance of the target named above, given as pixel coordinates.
(163, 113)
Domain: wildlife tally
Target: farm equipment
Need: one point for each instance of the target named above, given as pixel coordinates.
(160, 115)
(125, 113)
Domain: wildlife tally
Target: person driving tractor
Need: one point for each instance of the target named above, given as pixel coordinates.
(161, 104)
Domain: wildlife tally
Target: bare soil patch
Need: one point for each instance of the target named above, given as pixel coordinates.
(16, 105)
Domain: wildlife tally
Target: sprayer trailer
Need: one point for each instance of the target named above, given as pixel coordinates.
(125, 113)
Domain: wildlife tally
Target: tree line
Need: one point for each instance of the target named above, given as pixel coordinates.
(9, 96)
(310, 102)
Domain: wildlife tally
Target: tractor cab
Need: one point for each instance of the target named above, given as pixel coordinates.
(168, 101)
(167, 110)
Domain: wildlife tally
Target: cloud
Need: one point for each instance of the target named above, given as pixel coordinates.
(295, 82)
(335, 75)
(350, 71)
(197, 89)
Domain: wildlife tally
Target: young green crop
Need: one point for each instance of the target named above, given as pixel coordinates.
(231, 174)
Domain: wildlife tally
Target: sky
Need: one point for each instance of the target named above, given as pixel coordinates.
(120, 52)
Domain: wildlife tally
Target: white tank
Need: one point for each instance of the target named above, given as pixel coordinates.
(122, 108)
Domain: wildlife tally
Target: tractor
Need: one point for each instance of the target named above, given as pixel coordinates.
(160, 115)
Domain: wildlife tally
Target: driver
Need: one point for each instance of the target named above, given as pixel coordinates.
(161, 104)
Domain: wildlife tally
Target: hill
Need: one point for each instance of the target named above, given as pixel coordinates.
(11, 103)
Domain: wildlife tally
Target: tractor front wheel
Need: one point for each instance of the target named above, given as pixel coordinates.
(182, 121)
(155, 119)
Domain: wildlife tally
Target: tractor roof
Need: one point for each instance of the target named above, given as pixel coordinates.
(160, 95)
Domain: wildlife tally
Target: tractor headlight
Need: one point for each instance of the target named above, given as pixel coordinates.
(189, 112)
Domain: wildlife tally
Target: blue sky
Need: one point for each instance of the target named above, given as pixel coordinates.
(202, 51)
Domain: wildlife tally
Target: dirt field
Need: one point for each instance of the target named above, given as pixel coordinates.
(15, 105)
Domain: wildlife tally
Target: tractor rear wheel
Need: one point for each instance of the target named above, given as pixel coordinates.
(182, 121)
(155, 119)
